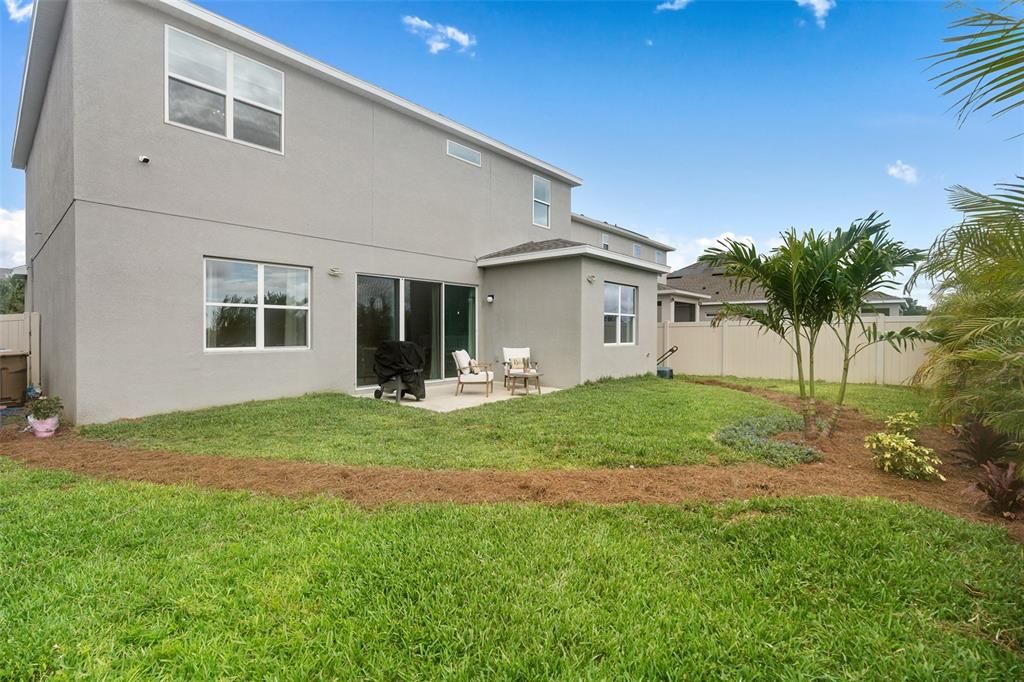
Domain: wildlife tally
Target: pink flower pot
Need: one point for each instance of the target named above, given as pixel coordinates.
(43, 428)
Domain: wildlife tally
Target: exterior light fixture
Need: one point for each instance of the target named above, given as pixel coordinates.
(490, 298)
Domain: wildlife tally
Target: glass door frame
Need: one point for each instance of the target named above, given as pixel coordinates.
(401, 319)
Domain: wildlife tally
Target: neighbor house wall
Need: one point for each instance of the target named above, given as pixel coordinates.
(536, 305)
(598, 360)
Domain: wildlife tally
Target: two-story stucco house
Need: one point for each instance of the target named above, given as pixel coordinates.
(214, 217)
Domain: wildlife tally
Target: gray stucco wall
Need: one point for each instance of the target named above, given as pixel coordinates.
(52, 283)
(598, 360)
(536, 305)
(352, 170)
(140, 332)
(588, 234)
(49, 175)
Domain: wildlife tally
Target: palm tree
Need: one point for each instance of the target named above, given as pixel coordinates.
(869, 266)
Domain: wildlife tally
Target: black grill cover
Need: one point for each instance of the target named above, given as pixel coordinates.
(402, 359)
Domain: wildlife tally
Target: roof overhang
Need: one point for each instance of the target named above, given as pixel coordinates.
(621, 231)
(681, 292)
(584, 250)
(47, 17)
(43, 42)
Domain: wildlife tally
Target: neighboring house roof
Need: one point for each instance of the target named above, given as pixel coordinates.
(712, 281)
(621, 231)
(49, 15)
(550, 249)
(666, 290)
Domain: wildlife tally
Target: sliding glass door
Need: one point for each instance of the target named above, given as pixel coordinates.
(459, 324)
(377, 319)
(438, 317)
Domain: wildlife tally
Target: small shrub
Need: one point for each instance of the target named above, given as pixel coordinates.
(44, 408)
(1003, 487)
(899, 454)
(980, 443)
(905, 423)
(754, 436)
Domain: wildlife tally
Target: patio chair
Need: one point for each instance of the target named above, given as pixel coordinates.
(471, 372)
(517, 360)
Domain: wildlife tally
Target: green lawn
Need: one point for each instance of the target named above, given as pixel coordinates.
(873, 400)
(643, 421)
(125, 580)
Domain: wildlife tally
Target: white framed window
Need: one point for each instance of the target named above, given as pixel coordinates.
(659, 257)
(605, 242)
(636, 250)
(541, 201)
(212, 90)
(255, 306)
(464, 153)
(619, 314)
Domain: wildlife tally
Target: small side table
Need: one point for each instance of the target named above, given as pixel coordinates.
(525, 377)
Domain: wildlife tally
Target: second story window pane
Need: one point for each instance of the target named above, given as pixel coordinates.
(257, 126)
(257, 83)
(541, 202)
(195, 107)
(659, 257)
(197, 60)
(463, 153)
(636, 250)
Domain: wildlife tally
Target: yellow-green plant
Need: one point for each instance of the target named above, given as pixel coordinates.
(899, 454)
(903, 422)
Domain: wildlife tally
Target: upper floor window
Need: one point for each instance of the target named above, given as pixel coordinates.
(541, 202)
(255, 305)
(605, 242)
(636, 250)
(216, 91)
(659, 257)
(463, 153)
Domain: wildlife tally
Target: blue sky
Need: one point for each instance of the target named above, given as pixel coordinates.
(685, 124)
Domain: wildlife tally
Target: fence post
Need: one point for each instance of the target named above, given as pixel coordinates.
(879, 352)
(721, 364)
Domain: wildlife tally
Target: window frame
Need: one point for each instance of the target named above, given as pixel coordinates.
(638, 250)
(619, 314)
(606, 241)
(227, 92)
(659, 256)
(401, 320)
(449, 143)
(260, 306)
(533, 192)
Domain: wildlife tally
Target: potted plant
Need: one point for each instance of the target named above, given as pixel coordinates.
(44, 415)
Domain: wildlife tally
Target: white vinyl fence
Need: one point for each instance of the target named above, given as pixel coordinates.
(737, 348)
(21, 333)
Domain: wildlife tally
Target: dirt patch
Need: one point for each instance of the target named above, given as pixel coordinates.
(846, 470)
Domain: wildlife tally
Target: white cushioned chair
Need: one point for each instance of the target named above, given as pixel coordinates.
(471, 372)
(517, 360)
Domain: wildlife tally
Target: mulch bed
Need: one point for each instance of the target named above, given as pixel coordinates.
(846, 470)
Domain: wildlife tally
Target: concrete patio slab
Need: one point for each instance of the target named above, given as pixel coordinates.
(441, 396)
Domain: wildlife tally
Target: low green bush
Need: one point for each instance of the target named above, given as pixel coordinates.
(906, 423)
(753, 436)
(899, 454)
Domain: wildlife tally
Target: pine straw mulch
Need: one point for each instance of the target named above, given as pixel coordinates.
(846, 470)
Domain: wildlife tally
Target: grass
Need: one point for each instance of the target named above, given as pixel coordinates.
(874, 400)
(642, 421)
(125, 580)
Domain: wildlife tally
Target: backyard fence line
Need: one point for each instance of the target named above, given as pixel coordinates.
(737, 348)
(20, 332)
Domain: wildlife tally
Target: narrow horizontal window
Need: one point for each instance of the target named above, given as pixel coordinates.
(541, 201)
(214, 90)
(464, 153)
(255, 305)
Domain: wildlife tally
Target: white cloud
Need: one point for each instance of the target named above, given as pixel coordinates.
(689, 249)
(902, 171)
(12, 237)
(672, 5)
(439, 37)
(821, 8)
(19, 10)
